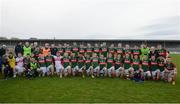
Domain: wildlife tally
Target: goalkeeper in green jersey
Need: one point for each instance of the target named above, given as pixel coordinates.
(144, 51)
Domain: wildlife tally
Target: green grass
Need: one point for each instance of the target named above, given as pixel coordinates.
(89, 90)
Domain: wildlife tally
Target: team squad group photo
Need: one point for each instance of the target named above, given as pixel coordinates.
(138, 63)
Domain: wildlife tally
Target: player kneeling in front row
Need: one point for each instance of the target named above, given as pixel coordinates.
(58, 65)
(19, 69)
(95, 65)
(145, 68)
(66, 64)
(110, 66)
(42, 65)
(49, 64)
(128, 70)
(34, 67)
(102, 66)
(81, 65)
(88, 68)
(119, 69)
(138, 72)
(74, 65)
(154, 68)
(170, 72)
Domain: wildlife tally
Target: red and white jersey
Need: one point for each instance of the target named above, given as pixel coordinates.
(19, 61)
(57, 60)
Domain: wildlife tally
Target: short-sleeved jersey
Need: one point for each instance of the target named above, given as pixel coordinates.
(81, 50)
(96, 50)
(170, 66)
(36, 53)
(161, 65)
(127, 51)
(75, 50)
(127, 63)
(135, 52)
(26, 61)
(145, 65)
(110, 62)
(89, 51)
(67, 50)
(19, 61)
(95, 62)
(153, 65)
(49, 60)
(57, 60)
(162, 52)
(41, 62)
(118, 62)
(111, 50)
(88, 62)
(102, 63)
(66, 61)
(61, 51)
(119, 50)
(136, 63)
(80, 62)
(104, 51)
(73, 62)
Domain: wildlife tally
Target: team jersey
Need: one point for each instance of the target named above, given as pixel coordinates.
(41, 62)
(127, 63)
(57, 60)
(67, 50)
(170, 66)
(49, 60)
(135, 64)
(111, 50)
(110, 62)
(104, 51)
(120, 50)
(80, 62)
(136, 52)
(75, 50)
(96, 50)
(66, 61)
(73, 62)
(153, 65)
(12, 62)
(26, 61)
(95, 62)
(161, 65)
(102, 63)
(144, 52)
(145, 65)
(88, 63)
(89, 51)
(118, 62)
(36, 53)
(162, 52)
(61, 51)
(127, 51)
(27, 50)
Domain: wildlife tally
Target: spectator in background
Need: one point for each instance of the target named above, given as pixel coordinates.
(27, 49)
(53, 49)
(3, 50)
(18, 48)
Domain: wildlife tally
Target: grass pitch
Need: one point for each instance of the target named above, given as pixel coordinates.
(99, 90)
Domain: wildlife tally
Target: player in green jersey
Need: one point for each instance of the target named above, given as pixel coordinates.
(111, 50)
(68, 49)
(88, 67)
(127, 50)
(144, 51)
(36, 53)
(136, 65)
(95, 64)
(128, 70)
(82, 49)
(75, 49)
(96, 49)
(161, 67)
(103, 65)
(66, 64)
(154, 68)
(145, 67)
(120, 49)
(104, 49)
(119, 68)
(42, 65)
(89, 49)
(61, 49)
(136, 51)
(49, 64)
(74, 64)
(110, 65)
(81, 65)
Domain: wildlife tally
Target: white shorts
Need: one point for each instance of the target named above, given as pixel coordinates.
(58, 68)
(75, 68)
(80, 69)
(110, 69)
(96, 69)
(43, 69)
(88, 70)
(19, 69)
(171, 73)
(155, 72)
(49, 68)
(147, 73)
(102, 70)
(119, 69)
(128, 70)
(66, 68)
